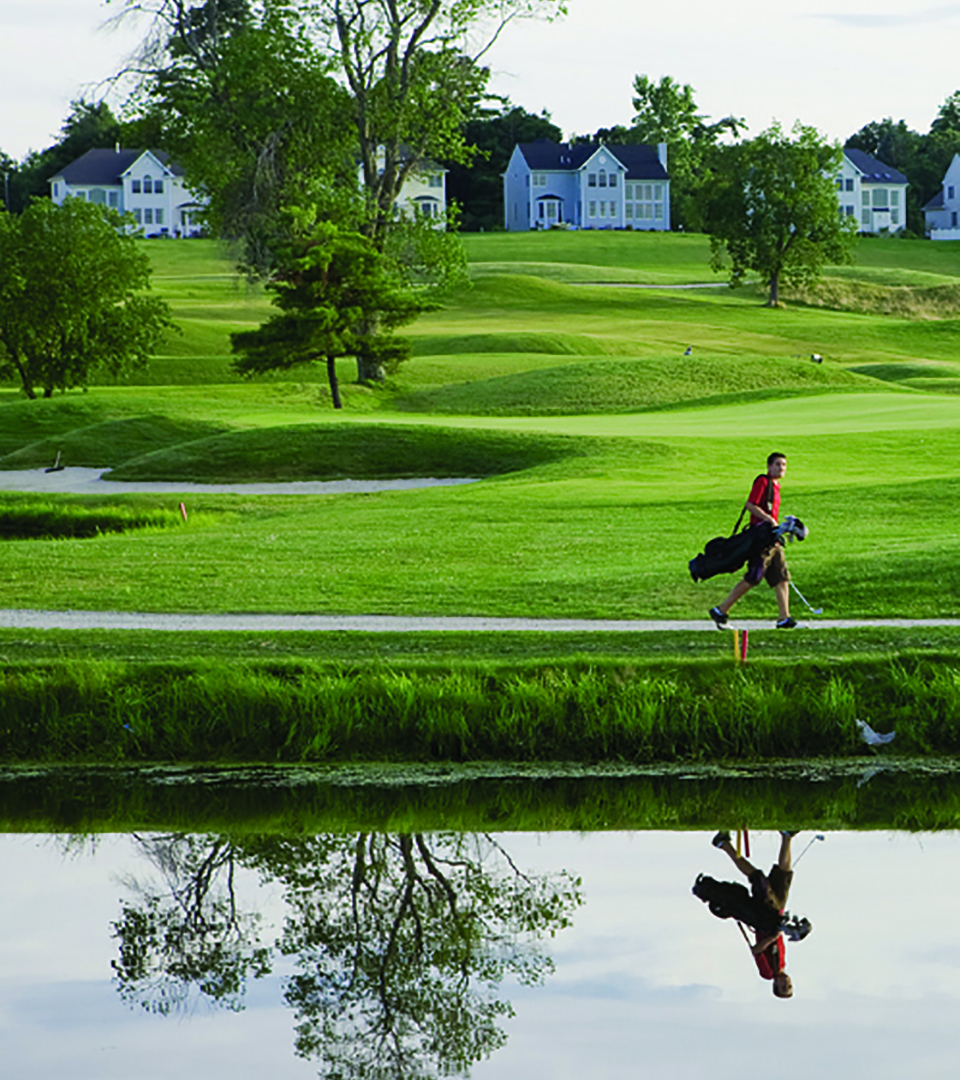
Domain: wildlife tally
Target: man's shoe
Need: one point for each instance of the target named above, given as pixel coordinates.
(722, 837)
(719, 617)
(786, 624)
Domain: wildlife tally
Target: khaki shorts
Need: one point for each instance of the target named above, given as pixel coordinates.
(772, 888)
(769, 566)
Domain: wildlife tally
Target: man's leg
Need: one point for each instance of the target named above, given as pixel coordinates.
(741, 588)
(784, 860)
(782, 590)
(722, 841)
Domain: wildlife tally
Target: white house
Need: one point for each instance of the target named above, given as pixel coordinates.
(874, 193)
(424, 191)
(587, 186)
(942, 211)
(145, 183)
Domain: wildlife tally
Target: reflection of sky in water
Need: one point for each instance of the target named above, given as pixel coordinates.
(647, 982)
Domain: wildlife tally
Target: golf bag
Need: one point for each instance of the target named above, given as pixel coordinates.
(730, 900)
(726, 554)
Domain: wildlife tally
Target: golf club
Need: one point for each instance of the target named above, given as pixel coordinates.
(819, 836)
(815, 610)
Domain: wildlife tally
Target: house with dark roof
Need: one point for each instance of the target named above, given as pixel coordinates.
(144, 183)
(942, 212)
(586, 186)
(872, 192)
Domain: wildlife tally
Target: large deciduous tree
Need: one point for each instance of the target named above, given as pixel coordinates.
(666, 111)
(772, 209)
(74, 296)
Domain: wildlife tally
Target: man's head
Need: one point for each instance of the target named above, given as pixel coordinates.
(776, 465)
(782, 985)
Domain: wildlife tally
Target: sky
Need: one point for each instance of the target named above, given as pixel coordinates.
(835, 64)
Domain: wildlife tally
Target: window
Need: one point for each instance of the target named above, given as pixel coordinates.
(158, 187)
(850, 211)
(881, 198)
(527, 179)
(603, 208)
(98, 196)
(135, 187)
(953, 220)
(894, 197)
(56, 191)
(658, 191)
(839, 184)
(613, 179)
(865, 198)
(613, 209)
(551, 211)
(628, 211)
(894, 217)
(658, 211)
(603, 178)
(865, 218)
(158, 216)
(114, 199)
(138, 216)
(848, 185)
(539, 180)
(436, 180)
(147, 186)
(592, 211)
(949, 191)
(148, 216)
(80, 195)
(629, 191)
(591, 179)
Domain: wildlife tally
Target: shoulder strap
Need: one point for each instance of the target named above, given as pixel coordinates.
(768, 499)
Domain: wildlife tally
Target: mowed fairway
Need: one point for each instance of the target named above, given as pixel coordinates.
(607, 454)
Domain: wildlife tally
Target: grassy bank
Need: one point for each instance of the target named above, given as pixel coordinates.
(589, 710)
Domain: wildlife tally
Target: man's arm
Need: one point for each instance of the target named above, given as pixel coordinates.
(758, 511)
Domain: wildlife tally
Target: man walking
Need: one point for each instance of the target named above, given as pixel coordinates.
(763, 505)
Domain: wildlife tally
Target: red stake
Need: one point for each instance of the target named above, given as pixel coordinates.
(743, 647)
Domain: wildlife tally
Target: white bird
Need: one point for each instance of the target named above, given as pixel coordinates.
(871, 737)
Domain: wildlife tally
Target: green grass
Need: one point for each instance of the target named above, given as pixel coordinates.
(208, 711)
(31, 517)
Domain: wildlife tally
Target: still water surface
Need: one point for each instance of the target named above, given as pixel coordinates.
(294, 957)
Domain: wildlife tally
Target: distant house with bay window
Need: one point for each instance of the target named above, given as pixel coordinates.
(872, 192)
(144, 183)
(586, 186)
(942, 212)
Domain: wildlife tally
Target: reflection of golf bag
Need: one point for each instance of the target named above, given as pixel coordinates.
(729, 900)
(726, 554)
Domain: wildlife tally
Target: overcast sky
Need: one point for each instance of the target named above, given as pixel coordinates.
(836, 64)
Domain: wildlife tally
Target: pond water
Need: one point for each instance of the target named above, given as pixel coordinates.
(376, 954)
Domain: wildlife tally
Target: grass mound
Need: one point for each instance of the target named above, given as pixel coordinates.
(349, 451)
(551, 344)
(24, 422)
(29, 517)
(606, 386)
(109, 443)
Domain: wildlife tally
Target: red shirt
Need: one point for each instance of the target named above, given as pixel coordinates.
(758, 496)
(770, 962)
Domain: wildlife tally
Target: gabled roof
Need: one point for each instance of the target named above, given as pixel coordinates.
(108, 166)
(641, 162)
(936, 203)
(874, 171)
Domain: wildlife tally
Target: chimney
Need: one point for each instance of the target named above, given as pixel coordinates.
(662, 154)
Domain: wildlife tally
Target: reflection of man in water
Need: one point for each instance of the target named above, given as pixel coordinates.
(770, 890)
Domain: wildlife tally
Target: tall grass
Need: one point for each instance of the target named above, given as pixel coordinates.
(212, 711)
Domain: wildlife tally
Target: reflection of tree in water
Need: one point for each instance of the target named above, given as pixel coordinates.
(187, 936)
(399, 942)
